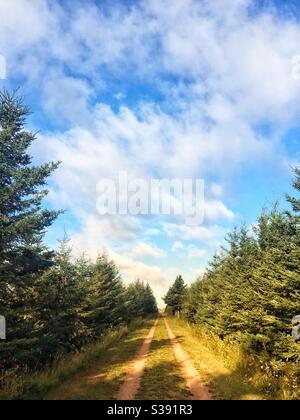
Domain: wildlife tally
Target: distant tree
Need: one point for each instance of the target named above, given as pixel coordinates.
(175, 296)
(150, 305)
(134, 300)
(140, 300)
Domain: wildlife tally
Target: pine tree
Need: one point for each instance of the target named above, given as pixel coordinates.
(140, 300)
(61, 295)
(150, 305)
(23, 221)
(175, 296)
(134, 298)
(294, 201)
(193, 300)
(106, 297)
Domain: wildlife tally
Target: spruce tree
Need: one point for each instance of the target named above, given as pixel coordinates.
(23, 222)
(106, 297)
(175, 296)
(134, 298)
(140, 300)
(294, 201)
(150, 305)
(61, 294)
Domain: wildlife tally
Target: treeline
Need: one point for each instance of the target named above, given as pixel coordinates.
(52, 303)
(251, 290)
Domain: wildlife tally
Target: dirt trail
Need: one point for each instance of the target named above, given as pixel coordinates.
(132, 380)
(189, 372)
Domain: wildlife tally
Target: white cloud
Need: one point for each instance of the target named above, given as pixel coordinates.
(98, 234)
(222, 74)
(199, 273)
(139, 270)
(152, 232)
(67, 99)
(177, 246)
(131, 270)
(216, 211)
(194, 252)
(208, 234)
(191, 39)
(200, 40)
(216, 190)
(25, 22)
(144, 250)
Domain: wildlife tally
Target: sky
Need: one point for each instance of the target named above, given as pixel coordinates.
(194, 89)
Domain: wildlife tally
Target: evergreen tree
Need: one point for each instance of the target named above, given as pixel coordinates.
(174, 298)
(140, 300)
(23, 257)
(106, 297)
(61, 295)
(192, 300)
(294, 201)
(150, 305)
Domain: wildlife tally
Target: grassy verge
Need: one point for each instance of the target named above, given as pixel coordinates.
(94, 373)
(227, 370)
(161, 379)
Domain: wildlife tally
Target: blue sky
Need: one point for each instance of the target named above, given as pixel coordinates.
(159, 88)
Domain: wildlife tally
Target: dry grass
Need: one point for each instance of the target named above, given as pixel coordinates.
(25, 385)
(102, 379)
(227, 370)
(98, 371)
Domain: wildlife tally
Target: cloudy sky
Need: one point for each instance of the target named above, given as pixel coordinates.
(160, 89)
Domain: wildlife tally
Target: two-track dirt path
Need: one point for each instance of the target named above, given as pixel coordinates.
(188, 370)
(130, 387)
(145, 363)
(132, 380)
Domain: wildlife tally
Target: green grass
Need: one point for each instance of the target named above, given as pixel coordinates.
(227, 370)
(162, 379)
(94, 373)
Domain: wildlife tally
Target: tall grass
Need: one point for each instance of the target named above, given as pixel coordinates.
(24, 385)
(276, 380)
(232, 371)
